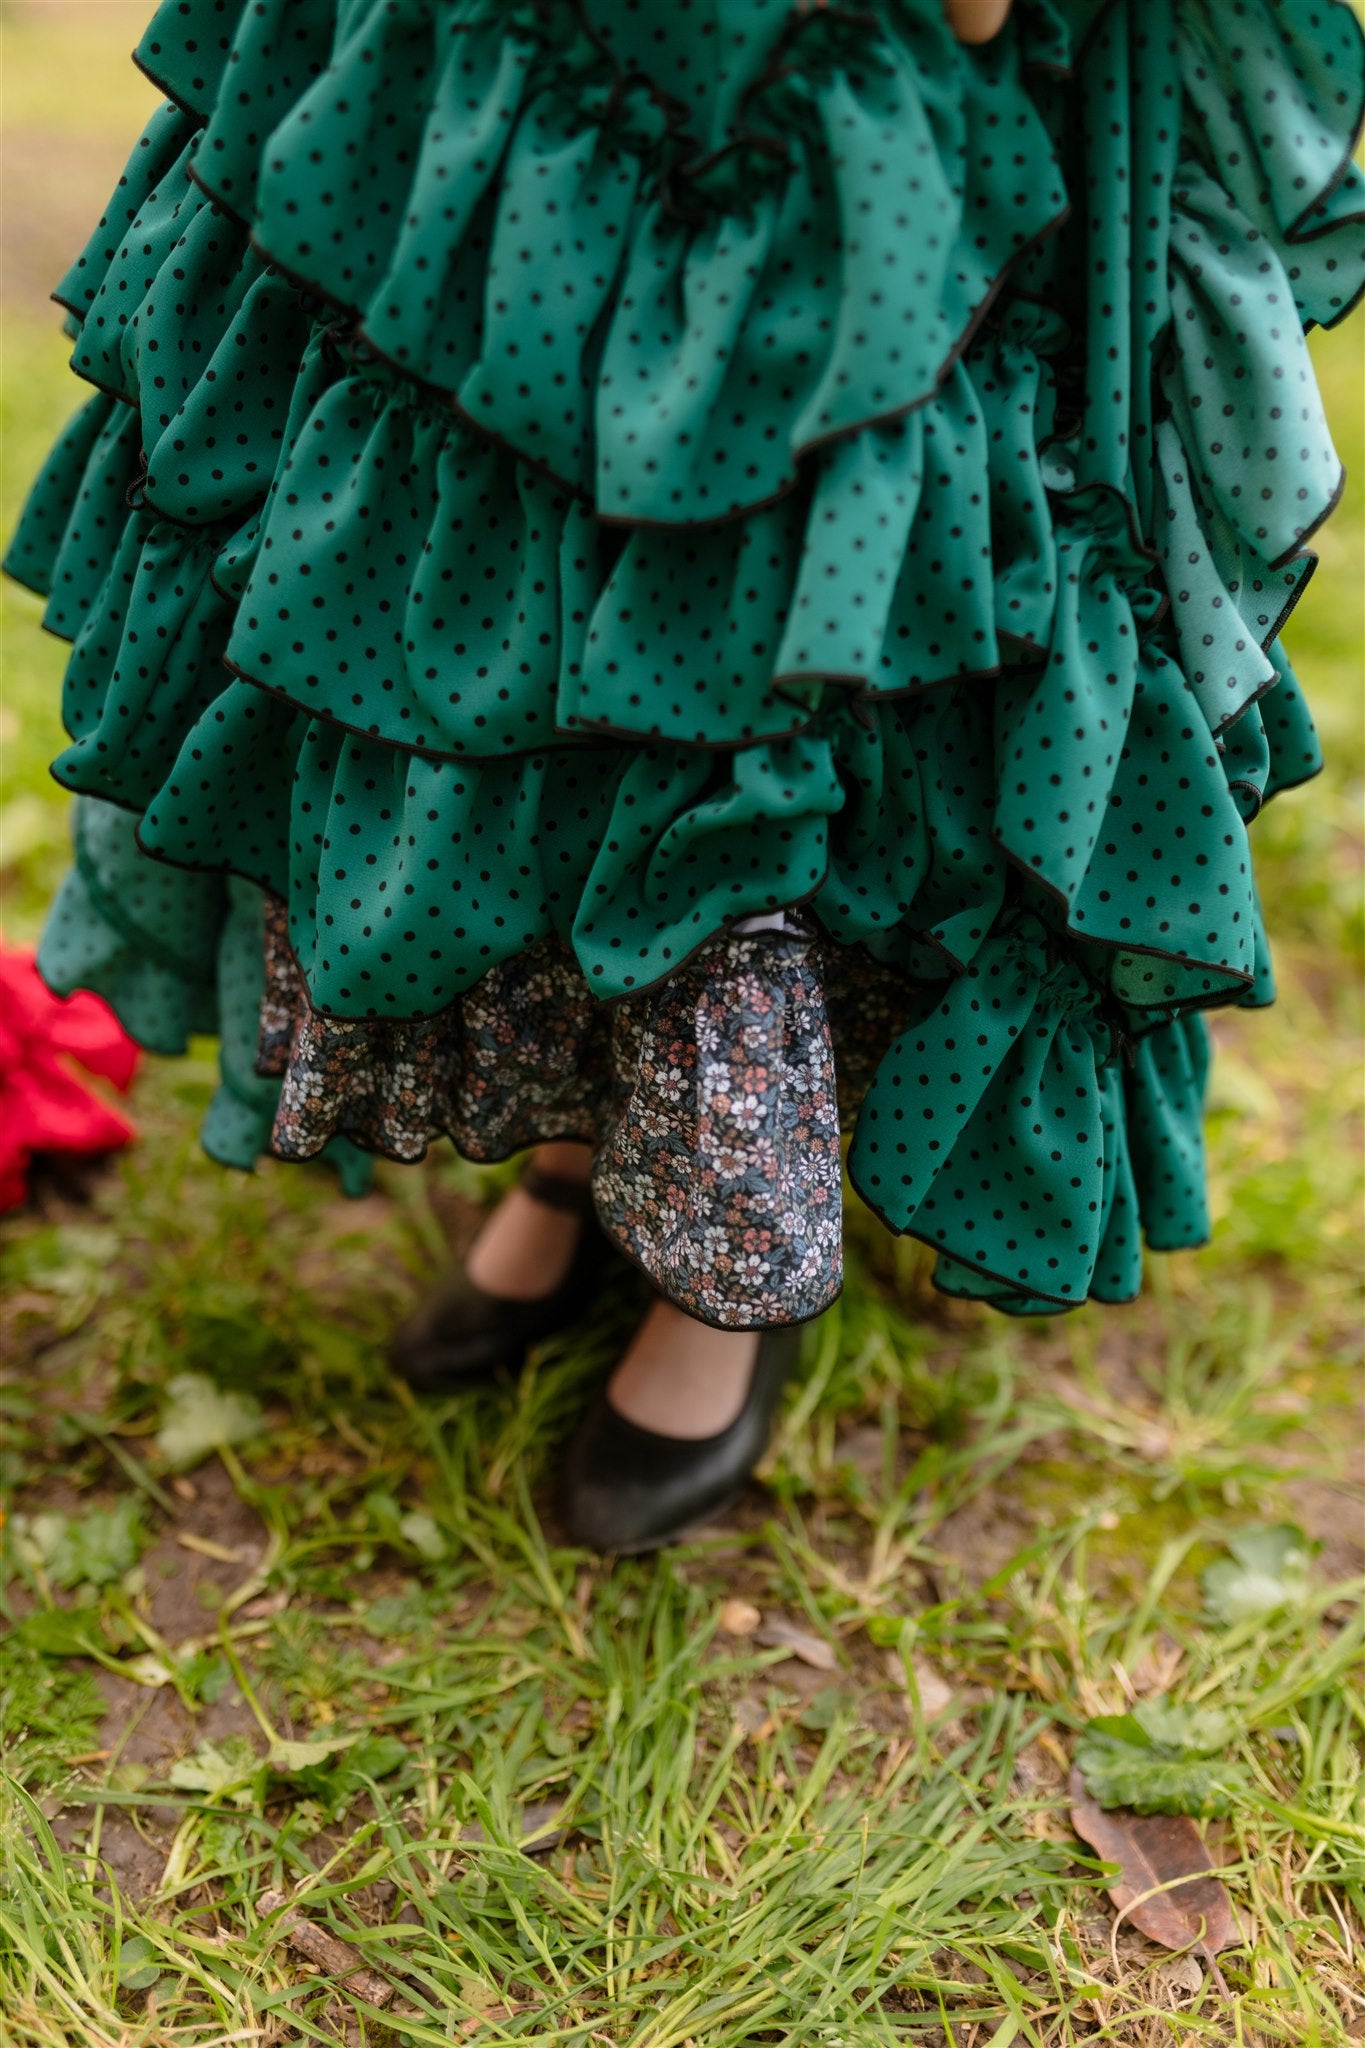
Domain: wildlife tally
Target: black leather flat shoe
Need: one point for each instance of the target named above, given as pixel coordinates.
(627, 1489)
(460, 1335)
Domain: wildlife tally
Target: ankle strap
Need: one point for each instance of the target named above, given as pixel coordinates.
(556, 1192)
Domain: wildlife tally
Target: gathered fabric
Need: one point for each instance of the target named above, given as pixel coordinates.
(565, 480)
(50, 1050)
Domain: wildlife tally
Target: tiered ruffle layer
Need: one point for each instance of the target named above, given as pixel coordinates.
(555, 492)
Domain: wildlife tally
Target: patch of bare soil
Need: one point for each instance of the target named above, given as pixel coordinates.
(147, 1730)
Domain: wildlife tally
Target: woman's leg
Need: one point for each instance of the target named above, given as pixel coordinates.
(537, 1265)
(976, 21)
(524, 1249)
(680, 1377)
(687, 1416)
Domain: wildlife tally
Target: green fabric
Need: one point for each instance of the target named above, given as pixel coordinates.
(177, 955)
(603, 471)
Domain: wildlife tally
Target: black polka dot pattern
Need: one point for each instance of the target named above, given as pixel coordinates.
(574, 474)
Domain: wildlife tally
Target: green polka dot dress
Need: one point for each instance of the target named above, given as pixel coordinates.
(565, 479)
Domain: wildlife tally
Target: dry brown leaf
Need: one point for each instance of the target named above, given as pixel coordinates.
(1179, 1981)
(1158, 1669)
(753, 1719)
(1154, 1850)
(935, 1694)
(541, 1828)
(739, 1618)
(779, 1634)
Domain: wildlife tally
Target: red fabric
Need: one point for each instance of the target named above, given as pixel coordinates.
(44, 1105)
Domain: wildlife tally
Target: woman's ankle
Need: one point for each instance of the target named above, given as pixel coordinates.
(563, 1159)
(681, 1378)
(526, 1247)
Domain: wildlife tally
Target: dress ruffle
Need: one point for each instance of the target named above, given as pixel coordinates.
(1015, 1130)
(664, 312)
(544, 500)
(711, 1104)
(47, 1110)
(176, 955)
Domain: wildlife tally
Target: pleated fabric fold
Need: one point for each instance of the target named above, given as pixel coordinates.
(557, 485)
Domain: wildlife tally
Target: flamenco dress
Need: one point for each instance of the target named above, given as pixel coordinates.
(49, 1112)
(566, 478)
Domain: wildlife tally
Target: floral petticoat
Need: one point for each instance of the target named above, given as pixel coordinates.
(713, 1101)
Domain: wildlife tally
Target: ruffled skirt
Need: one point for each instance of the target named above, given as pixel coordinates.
(559, 485)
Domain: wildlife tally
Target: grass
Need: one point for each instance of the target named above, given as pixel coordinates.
(348, 1658)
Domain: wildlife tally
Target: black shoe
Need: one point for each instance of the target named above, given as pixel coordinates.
(627, 1489)
(460, 1335)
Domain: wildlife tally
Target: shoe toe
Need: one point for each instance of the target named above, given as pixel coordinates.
(615, 1522)
(440, 1364)
(627, 1490)
(622, 1520)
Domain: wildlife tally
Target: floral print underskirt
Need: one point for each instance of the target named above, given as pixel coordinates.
(713, 1101)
